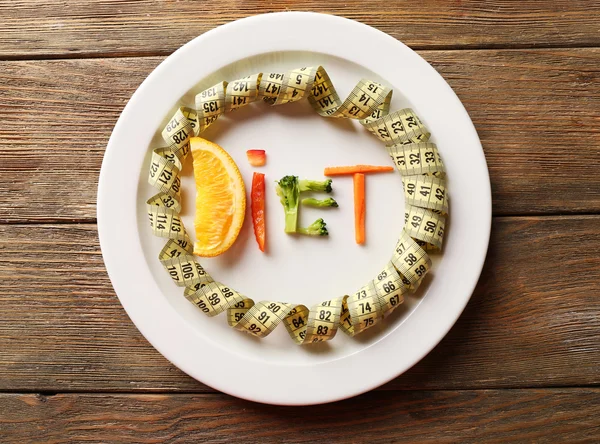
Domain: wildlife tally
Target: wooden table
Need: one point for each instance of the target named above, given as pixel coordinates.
(523, 361)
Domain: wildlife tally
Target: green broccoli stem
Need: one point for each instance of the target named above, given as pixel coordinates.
(312, 202)
(317, 228)
(287, 190)
(315, 185)
(291, 221)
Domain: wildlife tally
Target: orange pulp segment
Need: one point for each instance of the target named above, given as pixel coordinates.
(220, 198)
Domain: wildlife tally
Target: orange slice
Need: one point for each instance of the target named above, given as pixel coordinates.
(220, 198)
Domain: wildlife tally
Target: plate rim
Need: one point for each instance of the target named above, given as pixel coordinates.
(110, 238)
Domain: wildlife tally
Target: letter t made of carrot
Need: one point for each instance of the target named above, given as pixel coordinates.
(358, 176)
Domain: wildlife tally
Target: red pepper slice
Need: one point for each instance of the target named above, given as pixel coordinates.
(257, 202)
(257, 157)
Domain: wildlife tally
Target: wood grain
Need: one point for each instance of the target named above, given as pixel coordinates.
(491, 416)
(533, 320)
(530, 329)
(78, 27)
(537, 113)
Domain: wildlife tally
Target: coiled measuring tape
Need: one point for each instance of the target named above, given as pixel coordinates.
(406, 139)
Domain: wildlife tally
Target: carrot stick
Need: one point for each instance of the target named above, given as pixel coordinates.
(359, 207)
(344, 170)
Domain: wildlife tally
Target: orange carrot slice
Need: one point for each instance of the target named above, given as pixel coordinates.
(347, 170)
(359, 207)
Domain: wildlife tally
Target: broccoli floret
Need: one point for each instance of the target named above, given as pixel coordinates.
(312, 202)
(317, 228)
(287, 190)
(315, 185)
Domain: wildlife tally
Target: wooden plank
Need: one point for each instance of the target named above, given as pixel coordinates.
(537, 113)
(155, 27)
(533, 320)
(491, 416)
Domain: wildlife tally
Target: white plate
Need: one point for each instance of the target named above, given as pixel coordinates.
(305, 270)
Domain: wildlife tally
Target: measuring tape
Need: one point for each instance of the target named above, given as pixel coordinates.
(406, 139)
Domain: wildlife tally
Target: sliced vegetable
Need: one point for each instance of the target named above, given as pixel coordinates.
(358, 180)
(312, 202)
(347, 170)
(315, 185)
(256, 157)
(317, 228)
(287, 190)
(257, 202)
(220, 198)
